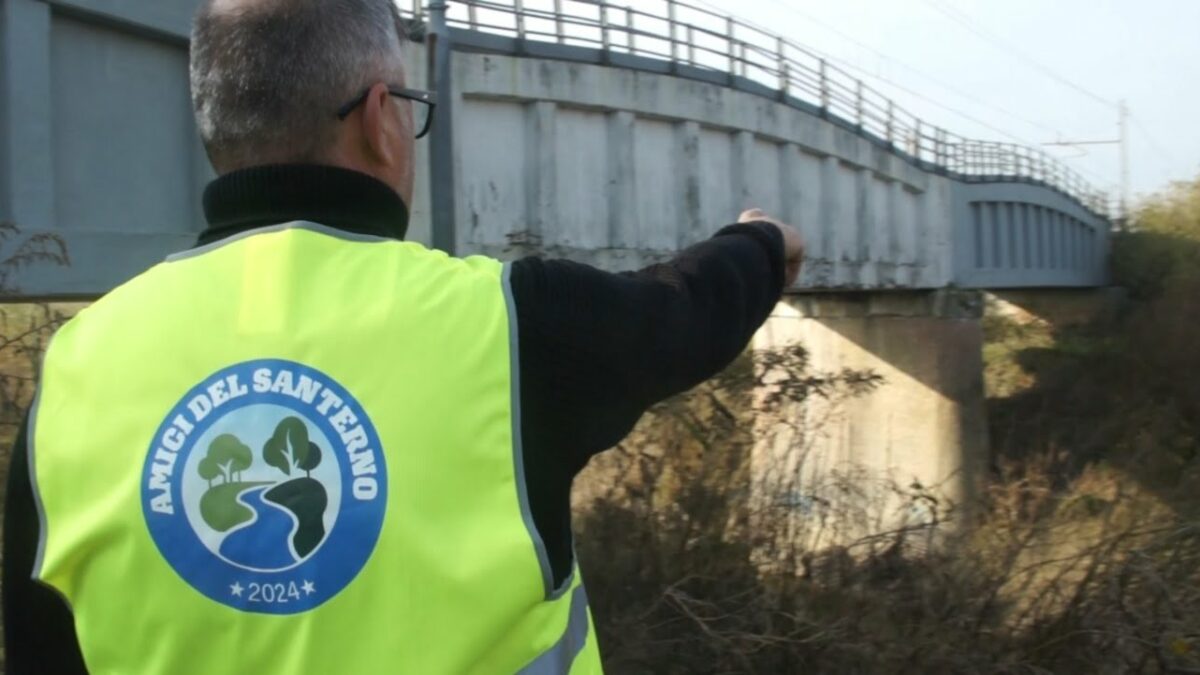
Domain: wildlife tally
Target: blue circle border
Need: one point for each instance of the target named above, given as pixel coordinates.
(342, 554)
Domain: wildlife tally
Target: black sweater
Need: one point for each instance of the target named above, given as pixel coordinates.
(597, 349)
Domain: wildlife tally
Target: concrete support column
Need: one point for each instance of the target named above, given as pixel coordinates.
(900, 242)
(791, 187)
(1024, 242)
(1060, 241)
(1002, 227)
(541, 170)
(687, 171)
(1077, 231)
(1014, 238)
(864, 231)
(26, 115)
(925, 423)
(741, 154)
(832, 216)
(622, 188)
(928, 217)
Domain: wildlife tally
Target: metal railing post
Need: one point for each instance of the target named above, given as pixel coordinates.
(418, 10)
(858, 104)
(785, 83)
(605, 40)
(824, 83)
(691, 45)
(891, 122)
(559, 30)
(442, 196)
(671, 30)
(631, 34)
(472, 15)
(729, 29)
(519, 7)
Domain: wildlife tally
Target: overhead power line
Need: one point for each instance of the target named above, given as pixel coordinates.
(934, 102)
(1099, 180)
(897, 62)
(1150, 140)
(997, 41)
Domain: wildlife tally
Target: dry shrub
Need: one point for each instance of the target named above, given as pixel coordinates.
(710, 549)
(25, 327)
(24, 331)
(697, 564)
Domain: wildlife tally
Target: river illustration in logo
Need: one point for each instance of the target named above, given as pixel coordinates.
(265, 509)
(265, 487)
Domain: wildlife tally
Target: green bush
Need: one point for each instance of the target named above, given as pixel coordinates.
(1163, 244)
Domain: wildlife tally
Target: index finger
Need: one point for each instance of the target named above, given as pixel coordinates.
(750, 215)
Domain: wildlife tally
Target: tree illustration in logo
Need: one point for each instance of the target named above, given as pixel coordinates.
(289, 446)
(227, 458)
(288, 449)
(251, 511)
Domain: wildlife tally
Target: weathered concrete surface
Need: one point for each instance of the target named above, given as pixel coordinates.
(609, 165)
(97, 140)
(925, 425)
(620, 167)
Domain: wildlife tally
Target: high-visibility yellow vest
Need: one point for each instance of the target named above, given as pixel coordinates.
(298, 451)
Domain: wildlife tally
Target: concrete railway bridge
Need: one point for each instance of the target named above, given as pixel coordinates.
(610, 133)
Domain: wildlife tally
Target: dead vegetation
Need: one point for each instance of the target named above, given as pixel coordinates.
(24, 330)
(705, 554)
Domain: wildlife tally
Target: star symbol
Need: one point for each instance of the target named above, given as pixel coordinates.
(236, 589)
(308, 587)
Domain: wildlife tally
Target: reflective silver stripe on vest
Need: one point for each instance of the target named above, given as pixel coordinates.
(266, 229)
(39, 505)
(558, 659)
(514, 351)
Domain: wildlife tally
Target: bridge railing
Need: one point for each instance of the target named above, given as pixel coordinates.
(687, 34)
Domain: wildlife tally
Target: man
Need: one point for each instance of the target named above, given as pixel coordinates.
(304, 446)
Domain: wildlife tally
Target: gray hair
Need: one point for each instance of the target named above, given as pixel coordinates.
(268, 76)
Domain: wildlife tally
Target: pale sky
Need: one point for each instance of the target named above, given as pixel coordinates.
(989, 59)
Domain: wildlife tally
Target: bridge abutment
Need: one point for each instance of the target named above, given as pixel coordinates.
(910, 451)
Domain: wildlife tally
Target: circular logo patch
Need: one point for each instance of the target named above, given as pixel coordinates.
(265, 487)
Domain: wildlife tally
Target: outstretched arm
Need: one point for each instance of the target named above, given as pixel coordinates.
(597, 349)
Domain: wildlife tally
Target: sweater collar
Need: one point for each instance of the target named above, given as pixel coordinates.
(266, 195)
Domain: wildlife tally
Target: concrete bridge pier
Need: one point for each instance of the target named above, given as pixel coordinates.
(856, 463)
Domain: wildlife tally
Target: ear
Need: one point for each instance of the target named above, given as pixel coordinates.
(378, 125)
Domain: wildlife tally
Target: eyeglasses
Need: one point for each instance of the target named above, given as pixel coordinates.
(422, 110)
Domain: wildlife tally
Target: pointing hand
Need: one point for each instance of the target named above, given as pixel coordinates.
(793, 243)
